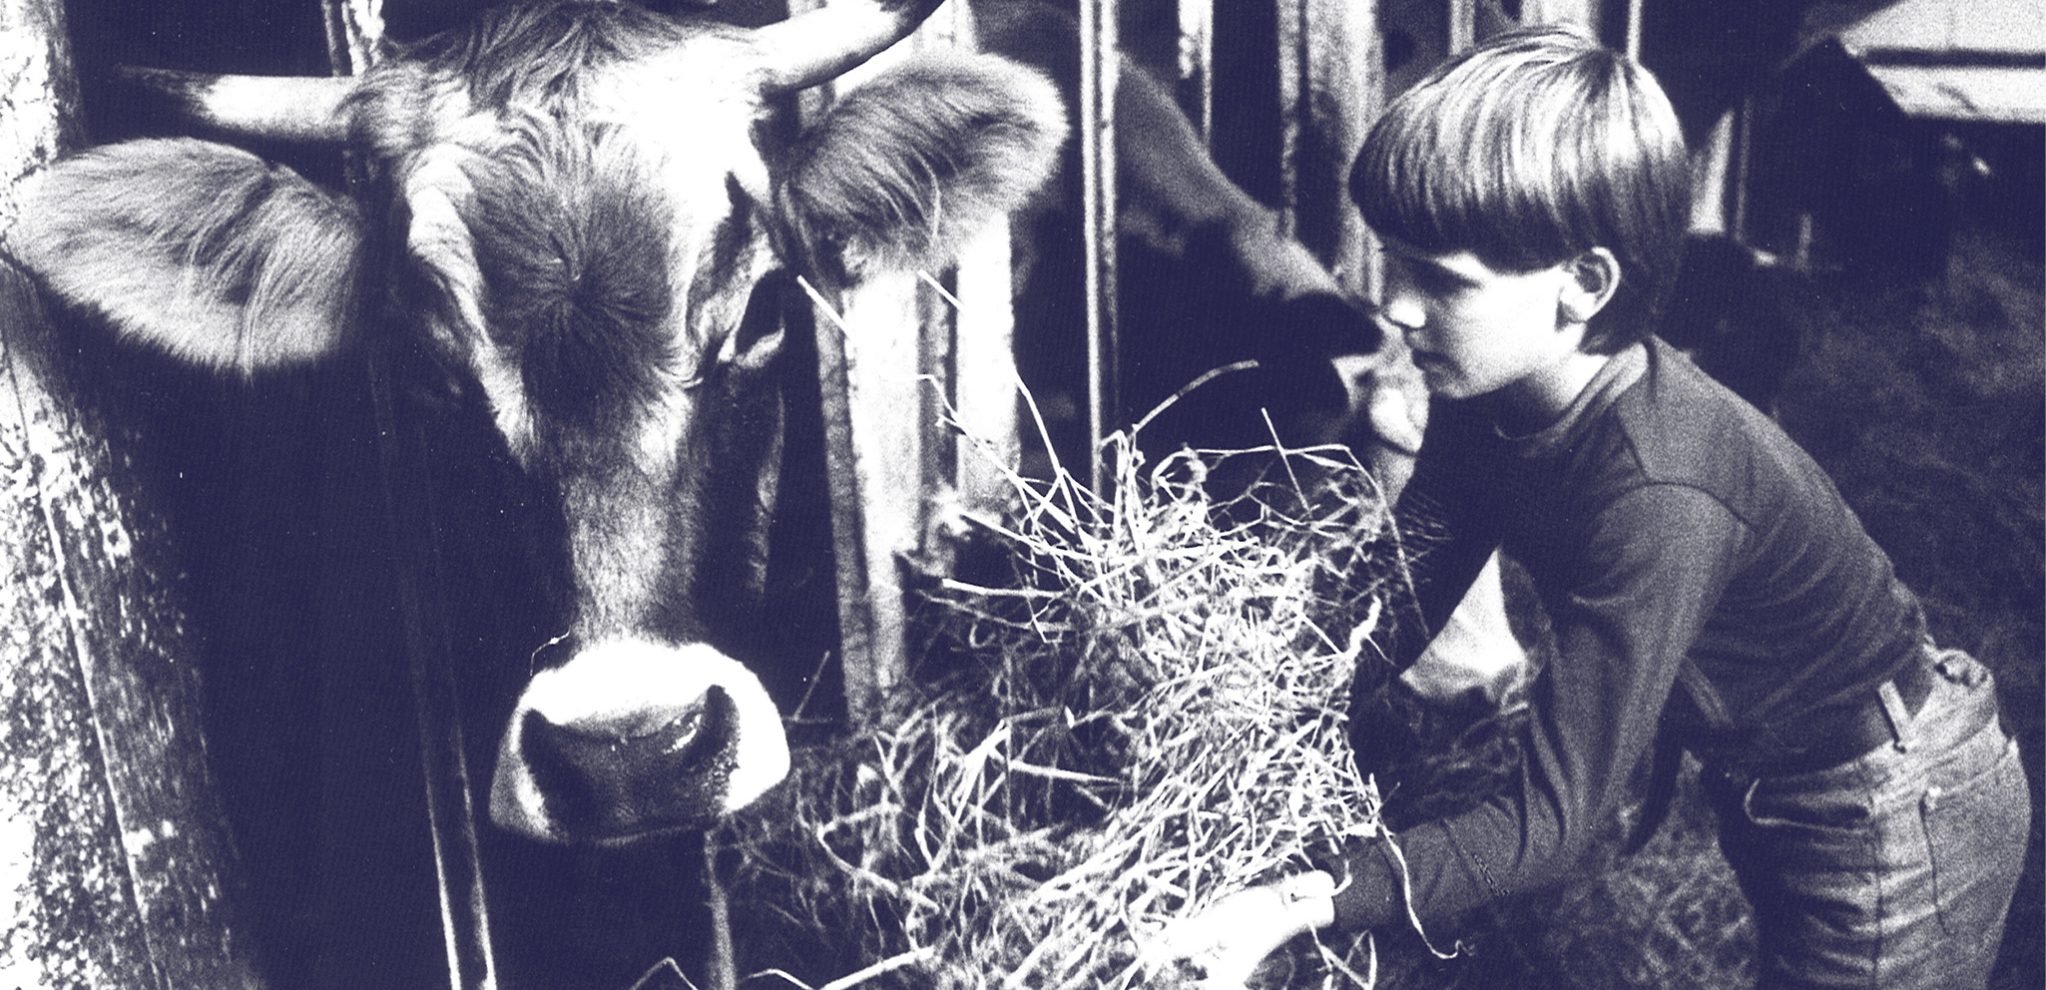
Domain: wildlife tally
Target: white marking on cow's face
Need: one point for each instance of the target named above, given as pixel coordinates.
(700, 149)
(438, 193)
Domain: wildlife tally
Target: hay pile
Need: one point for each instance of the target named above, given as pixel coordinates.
(1148, 715)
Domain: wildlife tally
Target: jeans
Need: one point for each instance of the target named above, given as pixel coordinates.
(1893, 870)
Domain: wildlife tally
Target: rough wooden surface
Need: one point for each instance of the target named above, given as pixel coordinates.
(114, 852)
(38, 94)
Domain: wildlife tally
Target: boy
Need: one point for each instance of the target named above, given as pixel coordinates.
(1708, 588)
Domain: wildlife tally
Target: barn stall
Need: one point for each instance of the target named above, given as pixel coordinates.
(435, 589)
(239, 540)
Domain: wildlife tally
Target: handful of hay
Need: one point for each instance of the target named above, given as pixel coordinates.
(1150, 717)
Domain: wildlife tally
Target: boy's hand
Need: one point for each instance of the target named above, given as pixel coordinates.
(1225, 943)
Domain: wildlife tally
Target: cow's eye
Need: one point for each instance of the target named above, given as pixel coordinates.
(758, 337)
(705, 369)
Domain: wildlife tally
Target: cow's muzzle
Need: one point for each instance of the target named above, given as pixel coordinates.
(632, 738)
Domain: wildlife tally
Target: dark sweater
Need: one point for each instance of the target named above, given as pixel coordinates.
(1661, 519)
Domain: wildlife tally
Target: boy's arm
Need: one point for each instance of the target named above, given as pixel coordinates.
(1638, 588)
(1447, 517)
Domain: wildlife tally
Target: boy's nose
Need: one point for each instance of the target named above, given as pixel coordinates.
(1402, 312)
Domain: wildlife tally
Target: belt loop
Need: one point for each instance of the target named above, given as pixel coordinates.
(1897, 713)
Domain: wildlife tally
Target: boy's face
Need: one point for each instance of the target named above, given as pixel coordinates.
(1473, 329)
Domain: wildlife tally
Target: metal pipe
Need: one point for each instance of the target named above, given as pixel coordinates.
(450, 809)
(1197, 65)
(1099, 73)
(1293, 58)
(1634, 29)
(1463, 24)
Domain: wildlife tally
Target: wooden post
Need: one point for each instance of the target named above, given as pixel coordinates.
(1291, 36)
(1332, 85)
(1463, 25)
(871, 346)
(1583, 13)
(354, 30)
(117, 869)
(892, 353)
(869, 352)
(983, 372)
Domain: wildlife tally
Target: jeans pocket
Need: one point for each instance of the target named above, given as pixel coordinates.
(1839, 812)
(1975, 830)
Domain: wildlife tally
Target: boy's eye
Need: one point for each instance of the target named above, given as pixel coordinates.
(1428, 278)
(1435, 281)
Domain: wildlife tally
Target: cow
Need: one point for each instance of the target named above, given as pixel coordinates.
(1207, 279)
(570, 203)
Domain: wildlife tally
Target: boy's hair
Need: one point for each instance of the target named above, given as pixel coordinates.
(1527, 150)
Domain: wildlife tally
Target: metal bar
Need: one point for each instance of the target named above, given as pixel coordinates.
(1463, 24)
(450, 811)
(354, 29)
(1293, 59)
(724, 955)
(1743, 149)
(1099, 72)
(1197, 65)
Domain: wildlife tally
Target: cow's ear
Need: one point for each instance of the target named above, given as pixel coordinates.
(907, 167)
(204, 250)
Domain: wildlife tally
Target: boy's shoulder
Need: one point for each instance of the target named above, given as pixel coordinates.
(1677, 425)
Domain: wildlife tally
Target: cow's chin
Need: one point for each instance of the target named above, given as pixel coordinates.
(632, 738)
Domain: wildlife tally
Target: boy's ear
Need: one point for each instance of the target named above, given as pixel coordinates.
(1594, 275)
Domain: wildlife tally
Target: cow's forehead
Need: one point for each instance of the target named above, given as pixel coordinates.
(635, 161)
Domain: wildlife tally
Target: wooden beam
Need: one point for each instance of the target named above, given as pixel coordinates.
(1333, 88)
(116, 864)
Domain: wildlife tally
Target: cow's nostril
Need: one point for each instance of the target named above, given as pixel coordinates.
(633, 737)
(625, 777)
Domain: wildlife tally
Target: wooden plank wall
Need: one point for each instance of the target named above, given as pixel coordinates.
(116, 865)
(902, 359)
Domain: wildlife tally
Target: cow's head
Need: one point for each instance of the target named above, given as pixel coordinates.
(573, 201)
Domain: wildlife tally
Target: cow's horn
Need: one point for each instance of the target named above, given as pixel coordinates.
(821, 45)
(294, 108)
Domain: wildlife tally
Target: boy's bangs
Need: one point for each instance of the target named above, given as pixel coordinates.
(1442, 178)
(1525, 151)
